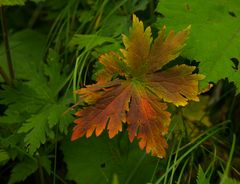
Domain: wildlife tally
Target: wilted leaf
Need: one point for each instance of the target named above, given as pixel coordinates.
(138, 97)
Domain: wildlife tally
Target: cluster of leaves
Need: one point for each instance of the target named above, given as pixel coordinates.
(54, 46)
(34, 109)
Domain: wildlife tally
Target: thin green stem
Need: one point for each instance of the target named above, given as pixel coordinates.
(209, 133)
(6, 43)
(40, 170)
(226, 172)
(4, 76)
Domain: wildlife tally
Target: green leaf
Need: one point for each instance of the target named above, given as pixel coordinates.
(53, 71)
(102, 158)
(37, 1)
(45, 163)
(214, 39)
(27, 48)
(11, 2)
(37, 130)
(22, 170)
(35, 104)
(39, 126)
(89, 41)
(21, 99)
(201, 177)
(228, 180)
(4, 157)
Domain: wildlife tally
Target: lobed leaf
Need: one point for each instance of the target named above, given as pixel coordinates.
(176, 85)
(137, 99)
(110, 108)
(148, 121)
(137, 46)
(167, 48)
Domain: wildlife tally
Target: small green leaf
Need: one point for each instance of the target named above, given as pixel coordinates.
(201, 177)
(22, 170)
(228, 180)
(89, 41)
(3, 156)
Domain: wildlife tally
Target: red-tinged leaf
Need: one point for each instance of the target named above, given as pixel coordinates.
(137, 46)
(110, 109)
(138, 100)
(111, 65)
(149, 121)
(92, 93)
(176, 85)
(166, 48)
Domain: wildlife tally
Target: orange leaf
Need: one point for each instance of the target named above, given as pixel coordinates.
(176, 85)
(111, 109)
(166, 48)
(137, 46)
(138, 100)
(110, 62)
(149, 121)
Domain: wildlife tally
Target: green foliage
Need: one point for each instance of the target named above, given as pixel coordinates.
(12, 2)
(229, 180)
(89, 41)
(3, 156)
(54, 45)
(201, 177)
(22, 170)
(101, 158)
(27, 48)
(214, 38)
(36, 101)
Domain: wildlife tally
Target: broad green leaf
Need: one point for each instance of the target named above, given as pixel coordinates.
(11, 2)
(22, 170)
(27, 48)
(98, 160)
(215, 37)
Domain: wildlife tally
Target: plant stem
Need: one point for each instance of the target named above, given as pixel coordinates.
(4, 76)
(40, 170)
(6, 44)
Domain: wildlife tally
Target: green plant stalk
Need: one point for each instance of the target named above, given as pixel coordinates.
(55, 155)
(4, 76)
(181, 172)
(40, 170)
(209, 133)
(175, 160)
(6, 44)
(226, 171)
(169, 164)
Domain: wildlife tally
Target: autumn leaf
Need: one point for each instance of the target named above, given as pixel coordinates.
(139, 94)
